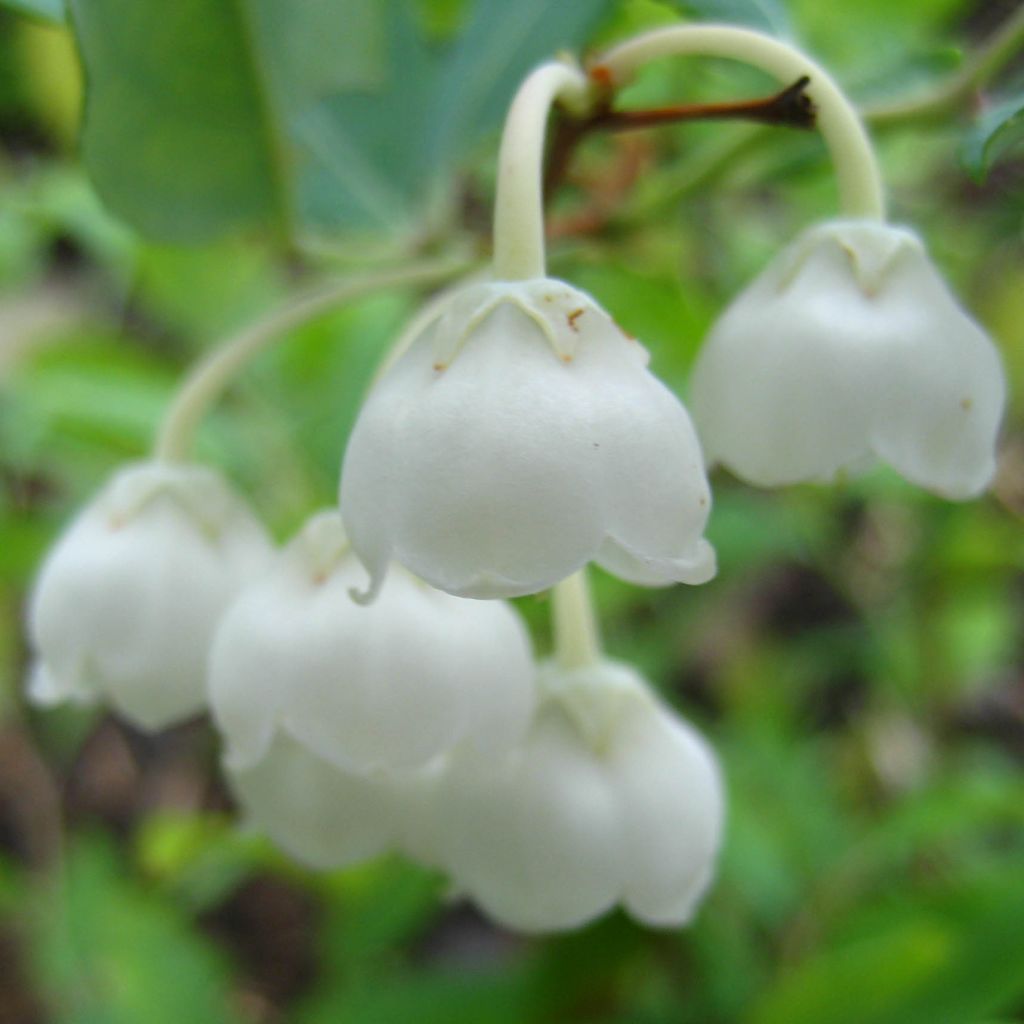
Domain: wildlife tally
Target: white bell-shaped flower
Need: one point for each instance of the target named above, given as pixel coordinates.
(321, 815)
(125, 605)
(520, 437)
(848, 348)
(611, 798)
(379, 687)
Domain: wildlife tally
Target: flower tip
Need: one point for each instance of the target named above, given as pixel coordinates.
(246, 741)
(705, 564)
(46, 689)
(369, 595)
(241, 757)
(966, 489)
(42, 689)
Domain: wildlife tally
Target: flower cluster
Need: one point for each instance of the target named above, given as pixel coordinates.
(417, 722)
(374, 689)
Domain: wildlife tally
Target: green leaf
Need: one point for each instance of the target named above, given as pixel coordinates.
(995, 131)
(93, 390)
(377, 906)
(379, 158)
(767, 15)
(46, 10)
(199, 860)
(217, 116)
(943, 956)
(178, 135)
(116, 953)
(366, 160)
(499, 46)
(466, 998)
(189, 107)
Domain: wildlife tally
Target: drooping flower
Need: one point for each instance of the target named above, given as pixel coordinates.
(321, 815)
(520, 437)
(848, 348)
(366, 688)
(611, 798)
(126, 603)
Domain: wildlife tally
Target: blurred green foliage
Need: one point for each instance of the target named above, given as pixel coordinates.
(857, 663)
(996, 131)
(213, 116)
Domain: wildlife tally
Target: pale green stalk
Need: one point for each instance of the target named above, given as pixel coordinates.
(519, 199)
(860, 183)
(577, 643)
(211, 376)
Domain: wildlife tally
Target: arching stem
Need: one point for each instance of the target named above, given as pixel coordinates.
(211, 376)
(518, 204)
(860, 183)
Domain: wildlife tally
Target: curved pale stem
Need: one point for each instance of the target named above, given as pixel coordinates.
(211, 376)
(860, 182)
(577, 643)
(519, 200)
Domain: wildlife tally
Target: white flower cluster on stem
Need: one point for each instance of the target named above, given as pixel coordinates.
(516, 436)
(418, 723)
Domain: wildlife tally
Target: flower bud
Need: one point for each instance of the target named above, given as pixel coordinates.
(610, 798)
(520, 437)
(126, 603)
(366, 688)
(847, 348)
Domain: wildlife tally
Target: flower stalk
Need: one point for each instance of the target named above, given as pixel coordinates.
(577, 642)
(213, 374)
(518, 205)
(860, 184)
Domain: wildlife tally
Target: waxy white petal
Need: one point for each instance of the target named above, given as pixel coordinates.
(319, 814)
(126, 603)
(520, 436)
(389, 685)
(610, 798)
(847, 348)
(532, 837)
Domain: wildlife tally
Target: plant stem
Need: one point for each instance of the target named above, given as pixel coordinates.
(211, 376)
(860, 183)
(518, 204)
(949, 93)
(790, 107)
(577, 643)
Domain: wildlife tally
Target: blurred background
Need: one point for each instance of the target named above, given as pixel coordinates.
(857, 663)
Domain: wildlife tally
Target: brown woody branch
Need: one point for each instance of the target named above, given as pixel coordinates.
(790, 108)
